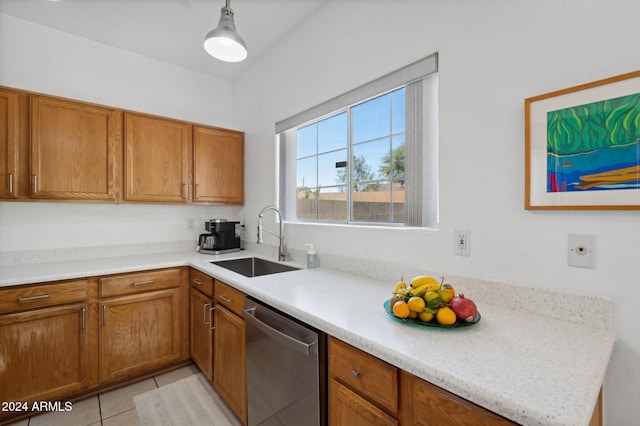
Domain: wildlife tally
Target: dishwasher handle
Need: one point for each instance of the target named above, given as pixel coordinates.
(300, 346)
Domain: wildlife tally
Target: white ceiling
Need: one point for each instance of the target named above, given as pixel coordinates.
(169, 30)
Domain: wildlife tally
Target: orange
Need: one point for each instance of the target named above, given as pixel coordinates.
(425, 316)
(413, 315)
(416, 304)
(401, 309)
(445, 316)
(451, 289)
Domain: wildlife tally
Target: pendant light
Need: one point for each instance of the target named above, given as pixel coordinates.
(224, 43)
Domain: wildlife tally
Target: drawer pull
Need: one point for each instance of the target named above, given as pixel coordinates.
(211, 317)
(10, 183)
(104, 314)
(204, 314)
(196, 281)
(83, 312)
(144, 282)
(27, 299)
(225, 299)
(355, 373)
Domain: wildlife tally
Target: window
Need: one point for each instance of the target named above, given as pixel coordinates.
(373, 160)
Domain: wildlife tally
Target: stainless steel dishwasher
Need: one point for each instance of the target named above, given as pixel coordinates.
(286, 368)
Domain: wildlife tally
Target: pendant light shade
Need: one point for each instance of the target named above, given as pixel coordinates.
(224, 43)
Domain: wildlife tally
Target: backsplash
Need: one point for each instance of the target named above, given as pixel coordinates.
(14, 258)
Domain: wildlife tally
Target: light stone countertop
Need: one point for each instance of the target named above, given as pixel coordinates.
(530, 368)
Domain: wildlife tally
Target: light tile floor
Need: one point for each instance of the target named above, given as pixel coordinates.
(114, 408)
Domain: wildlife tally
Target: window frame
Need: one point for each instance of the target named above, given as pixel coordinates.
(418, 71)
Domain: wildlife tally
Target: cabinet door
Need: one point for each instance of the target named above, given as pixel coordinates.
(44, 353)
(202, 332)
(426, 404)
(74, 150)
(138, 333)
(218, 166)
(229, 374)
(157, 158)
(348, 408)
(9, 143)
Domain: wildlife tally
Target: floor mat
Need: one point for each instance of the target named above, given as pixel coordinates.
(191, 401)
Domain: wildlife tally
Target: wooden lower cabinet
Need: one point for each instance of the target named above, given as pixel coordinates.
(139, 333)
(427, 404)
(48, 348)
(44, 353)
(348, 408)
(201, 332)
(365, 390)
(229, 349)
(143, 322)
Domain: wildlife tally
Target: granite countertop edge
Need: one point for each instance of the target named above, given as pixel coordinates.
(499, 363)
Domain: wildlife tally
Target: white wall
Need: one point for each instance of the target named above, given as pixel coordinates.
(493, 55)
(40, 59)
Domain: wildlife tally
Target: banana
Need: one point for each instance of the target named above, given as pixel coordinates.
(423, 279)
(424, 283)
(420, 290)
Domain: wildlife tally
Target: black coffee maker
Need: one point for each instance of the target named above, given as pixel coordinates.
(221, 237)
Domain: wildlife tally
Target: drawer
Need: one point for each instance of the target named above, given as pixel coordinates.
(371, 377)
(202, 282)
(139, 282)
(229, 297)
(39, 295)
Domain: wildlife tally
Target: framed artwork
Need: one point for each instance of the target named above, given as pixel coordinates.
(582, 146)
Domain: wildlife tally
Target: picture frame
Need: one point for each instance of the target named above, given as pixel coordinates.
(582, 146)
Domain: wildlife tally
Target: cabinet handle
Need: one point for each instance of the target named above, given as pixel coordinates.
(197, 191)
(26, 299)
(83, 312)
(211, 317)
(10, 183)
(196, 281)
(226, 299)
(355, 373)
(204, 314)
(143, 282)
(35, 184)
(184, 191)
(104, 314)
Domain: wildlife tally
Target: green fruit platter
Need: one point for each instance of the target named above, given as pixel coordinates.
(429, 302)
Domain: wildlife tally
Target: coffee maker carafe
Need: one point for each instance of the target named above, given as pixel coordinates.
(221, 237)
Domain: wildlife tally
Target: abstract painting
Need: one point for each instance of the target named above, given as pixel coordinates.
(583, 146)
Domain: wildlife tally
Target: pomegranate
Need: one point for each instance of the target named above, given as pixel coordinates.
(465, 309)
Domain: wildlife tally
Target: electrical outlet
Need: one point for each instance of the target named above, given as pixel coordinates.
(581, 251)
(191, 224)
(462, 247)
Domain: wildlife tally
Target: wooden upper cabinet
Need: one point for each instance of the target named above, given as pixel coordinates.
(9, 143)
(74, 150)
(157, 159)
(218, 166)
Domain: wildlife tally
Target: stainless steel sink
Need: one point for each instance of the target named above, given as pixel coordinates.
(254, 266)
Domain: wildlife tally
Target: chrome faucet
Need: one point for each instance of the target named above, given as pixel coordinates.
(283, 254)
